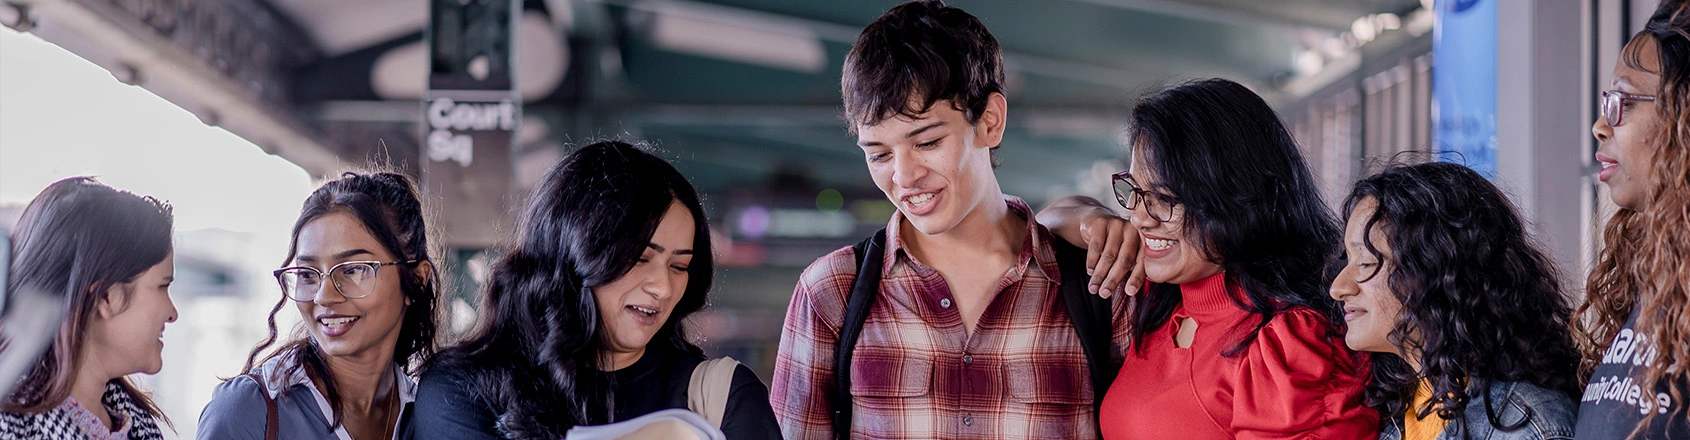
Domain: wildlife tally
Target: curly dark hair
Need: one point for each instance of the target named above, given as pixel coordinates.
(1480, 302)
(535, 354)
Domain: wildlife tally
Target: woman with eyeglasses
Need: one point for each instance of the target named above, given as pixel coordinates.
(359, 274)
(105, 255)
(1634, 329)
(1235, 336)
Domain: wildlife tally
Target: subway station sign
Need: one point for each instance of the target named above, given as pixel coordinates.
(471, 114)
(454, 126)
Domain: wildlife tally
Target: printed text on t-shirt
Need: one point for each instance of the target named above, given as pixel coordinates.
(1636, 350)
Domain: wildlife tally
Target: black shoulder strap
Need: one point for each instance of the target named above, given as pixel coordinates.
(1091, 315)
(870, 254)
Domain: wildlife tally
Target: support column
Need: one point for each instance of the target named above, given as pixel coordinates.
(1542, 122)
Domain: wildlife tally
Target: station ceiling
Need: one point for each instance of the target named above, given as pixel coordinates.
(744, 94)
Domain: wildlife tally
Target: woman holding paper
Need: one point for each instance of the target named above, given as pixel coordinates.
(582, 320)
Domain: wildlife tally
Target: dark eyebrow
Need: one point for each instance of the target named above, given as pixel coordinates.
(913, 133)
(918, 131)
(339, 256)
(657, 248)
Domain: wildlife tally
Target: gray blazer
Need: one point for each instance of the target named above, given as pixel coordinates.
(1552, 415)
(237, 409)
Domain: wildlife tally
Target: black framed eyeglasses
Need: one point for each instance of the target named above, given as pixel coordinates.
(353, 279)
(1613, 105)
(1162, 207)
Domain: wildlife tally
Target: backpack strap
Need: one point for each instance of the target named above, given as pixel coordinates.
(871, 254)
(707, 391)
(270, 427)
(1091, 315)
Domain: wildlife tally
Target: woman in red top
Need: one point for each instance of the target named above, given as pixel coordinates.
(1235, 335)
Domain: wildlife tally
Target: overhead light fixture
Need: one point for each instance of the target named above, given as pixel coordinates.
(718, 33)
(1364, 29)
(1307, 62)
(1367, 28)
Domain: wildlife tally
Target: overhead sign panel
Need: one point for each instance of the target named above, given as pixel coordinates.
(471, 114)
(1464, 82)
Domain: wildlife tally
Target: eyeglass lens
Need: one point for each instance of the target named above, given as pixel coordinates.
(1611, 103)
(1130, 196)
(352, 279)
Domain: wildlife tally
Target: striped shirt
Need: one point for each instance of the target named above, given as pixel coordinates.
(916, 374)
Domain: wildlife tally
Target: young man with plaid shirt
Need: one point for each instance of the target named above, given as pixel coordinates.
(968, 335)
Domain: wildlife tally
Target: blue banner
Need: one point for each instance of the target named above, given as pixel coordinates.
(1464, 83)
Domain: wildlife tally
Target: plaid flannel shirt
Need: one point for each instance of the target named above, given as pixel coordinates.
(916, 373)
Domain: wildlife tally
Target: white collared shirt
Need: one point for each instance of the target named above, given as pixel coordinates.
(275, 385)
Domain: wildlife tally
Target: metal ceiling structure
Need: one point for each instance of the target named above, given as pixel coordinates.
(743, 93)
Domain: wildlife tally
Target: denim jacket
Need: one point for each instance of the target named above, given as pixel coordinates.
(1552, 413)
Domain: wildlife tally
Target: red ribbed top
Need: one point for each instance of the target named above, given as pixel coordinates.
(1293, 381)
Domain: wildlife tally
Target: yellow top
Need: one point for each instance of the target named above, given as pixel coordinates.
(1415, 428)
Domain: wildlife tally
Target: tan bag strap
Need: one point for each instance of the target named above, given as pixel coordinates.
(707, 392)
(270, 428)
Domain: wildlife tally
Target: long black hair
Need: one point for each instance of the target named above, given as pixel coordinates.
(1481, 303)
(1249, 199)
(537, 350)
(76, 240)
(388, 206)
